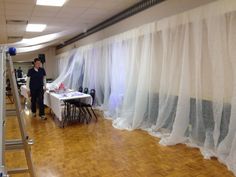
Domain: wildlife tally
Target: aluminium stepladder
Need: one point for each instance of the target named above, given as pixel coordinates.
(17, 144)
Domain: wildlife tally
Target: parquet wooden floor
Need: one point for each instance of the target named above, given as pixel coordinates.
(99, 150)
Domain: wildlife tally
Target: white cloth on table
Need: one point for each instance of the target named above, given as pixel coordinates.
(24, 91)
(55, 100)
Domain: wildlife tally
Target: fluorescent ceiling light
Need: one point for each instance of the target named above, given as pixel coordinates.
(57, 3)
(43, 39)
(35, 27)
(32, 48)
(40, 39)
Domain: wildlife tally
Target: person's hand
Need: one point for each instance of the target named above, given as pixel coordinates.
(44, 90)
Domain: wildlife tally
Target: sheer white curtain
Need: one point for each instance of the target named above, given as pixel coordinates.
(70, 66)
(174, 78)
(61, 62)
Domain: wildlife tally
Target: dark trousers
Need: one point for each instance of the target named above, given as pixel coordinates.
(37, 95)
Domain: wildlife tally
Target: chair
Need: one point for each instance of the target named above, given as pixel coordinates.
(72, 107)
(92, 93)
(87, 106)
(86, 90)
(86, 109)
(81, 89)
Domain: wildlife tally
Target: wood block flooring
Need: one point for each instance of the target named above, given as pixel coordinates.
(99, 150)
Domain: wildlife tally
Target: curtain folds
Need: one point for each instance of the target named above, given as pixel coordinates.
(175, 78)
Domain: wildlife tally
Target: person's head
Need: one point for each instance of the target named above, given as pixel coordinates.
(37, 63)
(19, 67)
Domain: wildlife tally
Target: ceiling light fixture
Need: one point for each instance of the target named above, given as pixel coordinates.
(40, 39)
(35, 27)
(57, 3)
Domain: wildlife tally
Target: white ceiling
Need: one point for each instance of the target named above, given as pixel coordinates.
(79, 15)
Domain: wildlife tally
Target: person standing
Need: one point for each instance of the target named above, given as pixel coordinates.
(36, 83)
(19, 72)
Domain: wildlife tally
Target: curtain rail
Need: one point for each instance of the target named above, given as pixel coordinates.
(144, 4)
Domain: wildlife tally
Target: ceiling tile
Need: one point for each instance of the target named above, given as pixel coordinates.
(76, 15)
(2, 19)
(127, 4)
(70, 12)
(77, 27)
(3, 28)
(106, 4)
(124, 1)
(95, 11)
(13, 40)
(16, 30)
(91, 20)
(117, 2)
(19, 6)
(40, 20)
(79, 3)
(43, 11)
(3, 39)
(20, 13)
(2, 11)
(15, 33)
(98, 14)
(60, 22)
(1, 4)
(21, 1)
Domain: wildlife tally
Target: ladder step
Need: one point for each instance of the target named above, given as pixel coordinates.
(16, 144)
(17, 170)
(10, 112)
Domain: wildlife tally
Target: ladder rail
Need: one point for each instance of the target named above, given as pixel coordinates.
(2, 110)
(19, 113)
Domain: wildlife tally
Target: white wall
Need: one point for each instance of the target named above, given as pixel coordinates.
(50, 63)
(155, 13)
(25, 66)
(50, 58)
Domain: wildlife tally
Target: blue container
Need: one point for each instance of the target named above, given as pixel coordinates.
(12, 51)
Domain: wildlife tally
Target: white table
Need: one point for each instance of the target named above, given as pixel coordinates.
(55, 100)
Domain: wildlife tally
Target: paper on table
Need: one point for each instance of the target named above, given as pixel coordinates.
(70, 94)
